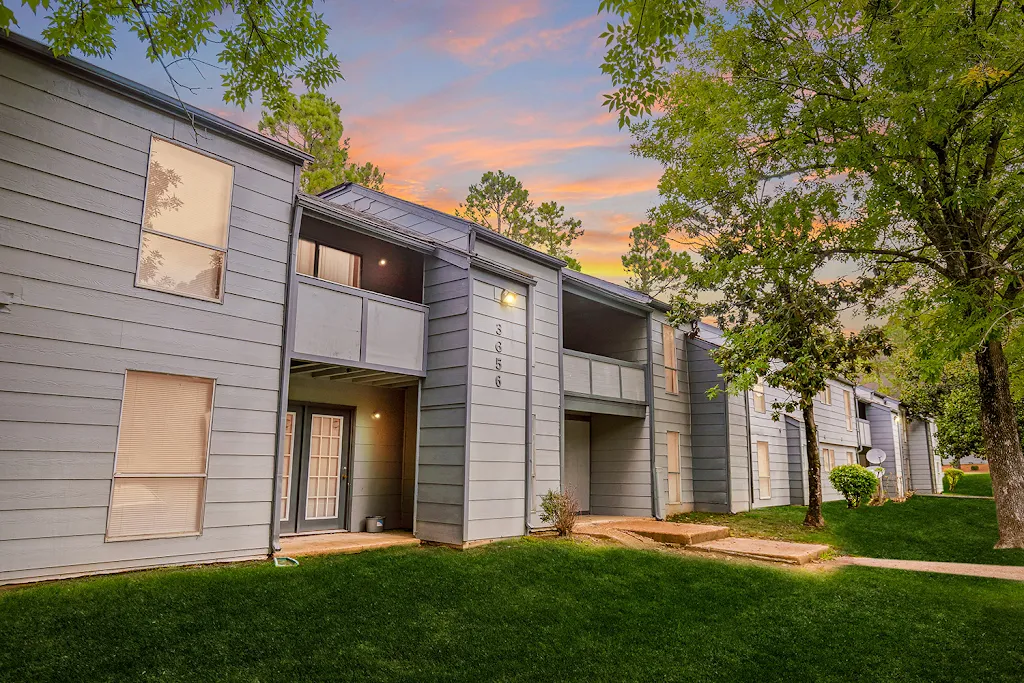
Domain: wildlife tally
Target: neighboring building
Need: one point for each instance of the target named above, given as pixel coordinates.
(201, 359)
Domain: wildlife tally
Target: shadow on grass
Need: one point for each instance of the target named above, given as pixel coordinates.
(525, 610)
(922, 528)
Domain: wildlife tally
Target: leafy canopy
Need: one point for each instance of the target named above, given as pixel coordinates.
(553, 233)
(264, 45)
(653, 267)
(312, 123)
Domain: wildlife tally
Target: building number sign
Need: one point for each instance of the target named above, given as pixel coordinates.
(497, 359)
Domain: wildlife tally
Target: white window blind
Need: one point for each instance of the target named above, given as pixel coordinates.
(851, 459)
(668, 339)
(848, 405)
(162, 447)
(185, 222)
(674, 483)
(764, 471)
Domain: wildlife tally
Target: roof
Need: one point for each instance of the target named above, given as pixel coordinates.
(149, 97)
(357, 220)
(616, 291)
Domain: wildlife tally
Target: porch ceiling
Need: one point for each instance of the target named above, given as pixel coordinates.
(340, 373)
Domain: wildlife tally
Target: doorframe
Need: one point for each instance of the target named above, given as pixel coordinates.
(300, 465)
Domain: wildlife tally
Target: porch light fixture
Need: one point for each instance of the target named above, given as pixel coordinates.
(375, 415)
(508, 297)
(382, 262)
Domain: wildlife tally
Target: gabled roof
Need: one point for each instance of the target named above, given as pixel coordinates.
(149, 97)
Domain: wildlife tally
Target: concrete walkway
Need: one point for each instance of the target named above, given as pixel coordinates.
(764, 549)
(953, 495)
(342, 542)
(991, 571)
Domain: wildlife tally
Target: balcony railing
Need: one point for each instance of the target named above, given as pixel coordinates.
(587, 375)
(358, 328)
(864, 428)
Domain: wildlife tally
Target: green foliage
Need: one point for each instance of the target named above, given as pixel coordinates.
(959, 424)
(312, 123)
(553, 233)
(974, 468)
(499, 202)
(264, 45)
(855, 482)
(560, 509)
(952, 477)
(653, 267)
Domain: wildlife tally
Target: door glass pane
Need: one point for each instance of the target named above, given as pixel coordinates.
(188, 194)
(286, 467)
(176, 266)
(322, 487)
(339, 266)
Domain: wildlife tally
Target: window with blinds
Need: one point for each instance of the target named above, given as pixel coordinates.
(826, 395)
(764, 471)
(668, 339)
(828, 459)
(159, 480)
(184, 239)
(759, 403)
(674, 481)
(848, 404)
(328, 263)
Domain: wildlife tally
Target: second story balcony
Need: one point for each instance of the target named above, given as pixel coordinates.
(358, 290)
(592, 381)
(864, 432)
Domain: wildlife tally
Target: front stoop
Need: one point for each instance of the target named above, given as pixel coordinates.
(761, 549)
(674, 532)
(342, 543)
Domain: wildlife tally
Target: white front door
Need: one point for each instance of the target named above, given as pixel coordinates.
(577, 460)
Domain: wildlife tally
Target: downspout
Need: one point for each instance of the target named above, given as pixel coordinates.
(649, 391)
(750, 451)
(287, 341)
(416, 458)
(529, 411)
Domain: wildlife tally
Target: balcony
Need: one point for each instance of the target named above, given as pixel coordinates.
(354, 327)
(603, 385)
(864, 432)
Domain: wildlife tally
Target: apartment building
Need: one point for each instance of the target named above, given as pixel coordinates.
(201, 359)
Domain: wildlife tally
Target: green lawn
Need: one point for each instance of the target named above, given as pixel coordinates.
(529, 610)
(923, 528)
(972, 485)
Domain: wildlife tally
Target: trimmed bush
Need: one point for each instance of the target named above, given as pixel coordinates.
(974, 468)
(560, 509)
(951, 478)
(855, 482)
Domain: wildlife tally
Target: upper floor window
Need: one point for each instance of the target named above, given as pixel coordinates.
(328, 263)
(826, 395)
(759, 402)
(668, 339)
(185, 222)
(848, 406)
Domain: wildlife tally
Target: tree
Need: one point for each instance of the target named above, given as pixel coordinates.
(312, 123)
(265, 45)
(652, 265)
(760, 254)
(911, 111)
(500, 203)
(554, 234)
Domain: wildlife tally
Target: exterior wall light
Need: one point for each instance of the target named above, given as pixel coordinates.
(382, 262)
(375, 415)
(508, 297)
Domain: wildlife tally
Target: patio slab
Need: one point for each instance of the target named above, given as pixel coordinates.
(762, 549)
(343, 542)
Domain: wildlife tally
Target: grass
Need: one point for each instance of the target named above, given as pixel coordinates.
(519, 611)
(923, 528)
(972, 485)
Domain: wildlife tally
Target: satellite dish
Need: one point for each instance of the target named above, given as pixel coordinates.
(876, 456)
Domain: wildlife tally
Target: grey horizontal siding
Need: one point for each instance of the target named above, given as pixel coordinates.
(72, 183)
(709, 430)
(671, 413)
(620, 466)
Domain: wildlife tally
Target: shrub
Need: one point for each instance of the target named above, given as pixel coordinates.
(951, 478)
(855, 482)
(560, 509)
(974, 468)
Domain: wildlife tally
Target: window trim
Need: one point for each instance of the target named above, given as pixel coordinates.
(114, 476)
(848, 409)
(227, 231)
(758, 392)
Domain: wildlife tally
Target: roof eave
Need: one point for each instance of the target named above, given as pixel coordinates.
(526, 252)
(353, 220)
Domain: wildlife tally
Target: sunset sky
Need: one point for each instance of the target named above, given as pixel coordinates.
(436, 93)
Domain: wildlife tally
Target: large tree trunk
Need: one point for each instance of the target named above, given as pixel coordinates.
(1002, 443)
(814, 516)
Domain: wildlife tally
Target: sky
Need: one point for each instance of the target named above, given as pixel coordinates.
(437, 92)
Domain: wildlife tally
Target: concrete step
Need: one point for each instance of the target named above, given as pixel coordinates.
(674, 532)
(620, 536)
(761, 549)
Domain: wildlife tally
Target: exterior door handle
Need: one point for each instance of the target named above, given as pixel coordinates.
(344, 472)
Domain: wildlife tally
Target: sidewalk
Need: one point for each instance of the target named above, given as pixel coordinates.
(992, 571)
